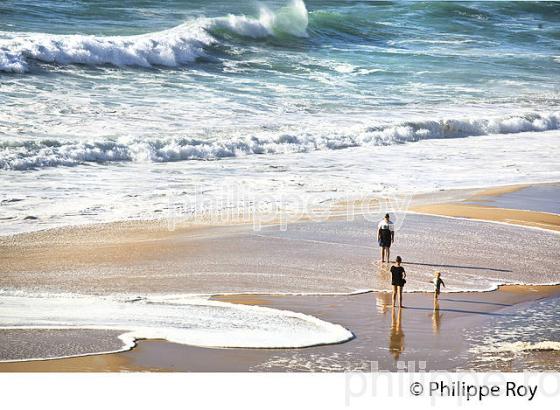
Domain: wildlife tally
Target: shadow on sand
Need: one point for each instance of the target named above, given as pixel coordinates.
(457, 266)
(473, 312)
(477, 302)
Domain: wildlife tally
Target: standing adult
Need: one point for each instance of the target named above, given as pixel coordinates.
(385, 237)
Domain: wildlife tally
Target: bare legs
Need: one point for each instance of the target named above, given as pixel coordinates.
(397, 289)
(385, 252)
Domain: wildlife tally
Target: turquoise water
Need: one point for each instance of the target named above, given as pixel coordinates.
(98, 95)
(265, 66)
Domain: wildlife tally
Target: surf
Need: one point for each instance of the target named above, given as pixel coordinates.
(20, 154)
(174, 47)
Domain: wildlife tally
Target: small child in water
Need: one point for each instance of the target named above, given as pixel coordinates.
(437, 281)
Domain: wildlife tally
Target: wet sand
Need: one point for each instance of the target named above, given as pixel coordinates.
(334, 255)
(537, 198)
(25, 343)
(95, 363)
(417, 337)
(526, 205)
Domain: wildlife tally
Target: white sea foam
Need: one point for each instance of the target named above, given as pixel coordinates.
(516, 347)
(292, 20)
(517, 335)
(23, 154)
(169, 48)
(186, 320)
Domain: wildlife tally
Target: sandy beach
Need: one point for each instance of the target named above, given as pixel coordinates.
(525, 205)
(326, 269)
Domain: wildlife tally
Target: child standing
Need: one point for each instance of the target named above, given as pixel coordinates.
(437, 281)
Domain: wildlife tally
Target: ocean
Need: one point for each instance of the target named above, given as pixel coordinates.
(114, 111)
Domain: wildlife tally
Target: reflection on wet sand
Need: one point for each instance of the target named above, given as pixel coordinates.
(396, 338)
(383, 272)
(436, 317)
(382, 299)
(383, 302)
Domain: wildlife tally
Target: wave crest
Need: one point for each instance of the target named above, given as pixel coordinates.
(17, 154)
(291, 20)
(169, 48)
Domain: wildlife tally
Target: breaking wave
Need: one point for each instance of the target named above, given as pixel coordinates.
(169, 48)
(24, 154)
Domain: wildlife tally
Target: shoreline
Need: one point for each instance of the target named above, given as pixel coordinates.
(445, 213)
(255, 299)
(478, 206)
(140, 356)
(425, 203)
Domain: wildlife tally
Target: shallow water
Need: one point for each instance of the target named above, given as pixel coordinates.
(179, 319)
(332, 257)
(523, 337)
(540, 198)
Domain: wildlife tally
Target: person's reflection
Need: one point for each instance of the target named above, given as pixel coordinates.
(383, 302)
(436, 317)
(381, 277)
(396, 339)
(383, 273)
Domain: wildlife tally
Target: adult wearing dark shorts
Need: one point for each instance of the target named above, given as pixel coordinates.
(385, 237)
(398, 279)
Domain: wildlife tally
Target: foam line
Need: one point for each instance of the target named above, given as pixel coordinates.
(25, 154)
(181, 319)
